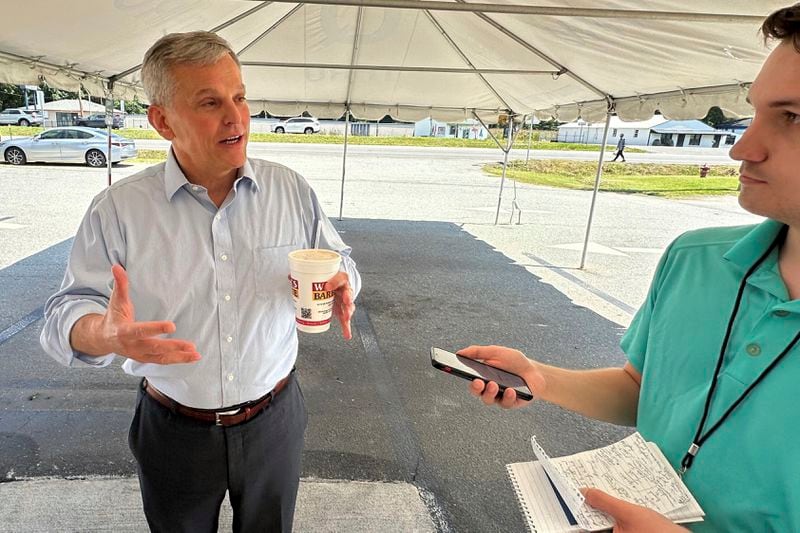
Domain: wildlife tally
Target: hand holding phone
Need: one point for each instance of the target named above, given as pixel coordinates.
(470, 369)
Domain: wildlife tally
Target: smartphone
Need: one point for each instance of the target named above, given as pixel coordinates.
(470, 369)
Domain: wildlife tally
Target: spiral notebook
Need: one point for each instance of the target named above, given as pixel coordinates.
(631, 469)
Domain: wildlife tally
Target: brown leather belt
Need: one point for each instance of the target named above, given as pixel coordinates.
(234, 415)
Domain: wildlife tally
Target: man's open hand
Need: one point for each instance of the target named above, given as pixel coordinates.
(121, 334)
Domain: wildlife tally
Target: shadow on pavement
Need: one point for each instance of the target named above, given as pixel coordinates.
(377, 409)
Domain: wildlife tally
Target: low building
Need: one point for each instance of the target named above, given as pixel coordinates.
(734, 128)
(468, 129)
(653, 132)
(64, 112)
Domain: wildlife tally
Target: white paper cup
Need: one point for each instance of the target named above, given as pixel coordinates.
(308, 272)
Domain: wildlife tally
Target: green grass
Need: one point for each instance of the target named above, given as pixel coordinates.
(19, 131)
(667, 181)
(148, 156)
(521, 141)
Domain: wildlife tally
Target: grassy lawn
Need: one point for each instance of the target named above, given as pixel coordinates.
(148, 156)
(520, 143)
(667, 181)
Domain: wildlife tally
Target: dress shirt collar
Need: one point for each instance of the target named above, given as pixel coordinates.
(175, 179)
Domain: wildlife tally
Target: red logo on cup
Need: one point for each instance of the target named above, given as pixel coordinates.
(318, 291)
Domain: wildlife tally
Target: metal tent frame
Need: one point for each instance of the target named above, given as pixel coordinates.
(603, 104)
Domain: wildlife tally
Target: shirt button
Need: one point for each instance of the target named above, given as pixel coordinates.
(223, 257)
(217, 216)
(781, 313)
(195, 188)
(230, 377)
(753, 349)
(229, 339)
(227, 297)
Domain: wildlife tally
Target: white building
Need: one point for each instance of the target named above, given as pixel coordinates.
(64, 112)
(653, 132)
(468, 129)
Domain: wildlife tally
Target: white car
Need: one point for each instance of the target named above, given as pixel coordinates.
(20, 117)
(68, 145)
(307, 125)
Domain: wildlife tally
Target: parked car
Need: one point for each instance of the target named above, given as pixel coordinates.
(99, 121)
(68, 145)
(296, 125)
(20, 117)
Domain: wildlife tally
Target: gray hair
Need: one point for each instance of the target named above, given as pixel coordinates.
(196, 48)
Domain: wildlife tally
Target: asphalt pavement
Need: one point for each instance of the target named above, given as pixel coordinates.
(392, 444)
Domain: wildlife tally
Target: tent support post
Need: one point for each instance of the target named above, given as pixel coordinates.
(530, 134)
(506, 150)
(344, 158)
(596, 188)
(109, 122)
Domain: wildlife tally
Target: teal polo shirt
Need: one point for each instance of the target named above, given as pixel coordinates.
(746, 476)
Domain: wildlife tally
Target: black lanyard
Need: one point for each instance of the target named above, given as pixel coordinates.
(699, 439)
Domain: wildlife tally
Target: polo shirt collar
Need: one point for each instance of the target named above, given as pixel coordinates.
(175, 179)
(749, 248)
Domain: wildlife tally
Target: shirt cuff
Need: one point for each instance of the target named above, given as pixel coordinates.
(74, 358)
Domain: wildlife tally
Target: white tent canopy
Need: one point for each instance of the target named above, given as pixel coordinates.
(413, 59)
(447, 59)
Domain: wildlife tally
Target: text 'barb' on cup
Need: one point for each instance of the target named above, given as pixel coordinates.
(308, 272)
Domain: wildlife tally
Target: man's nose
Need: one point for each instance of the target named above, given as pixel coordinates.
(750, 146)
(231, 113)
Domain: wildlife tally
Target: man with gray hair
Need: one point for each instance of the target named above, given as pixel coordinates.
(182, 269)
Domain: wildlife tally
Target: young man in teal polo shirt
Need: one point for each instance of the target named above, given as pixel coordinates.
(713, 356)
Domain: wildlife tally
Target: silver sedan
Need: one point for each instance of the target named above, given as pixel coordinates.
(68, 145)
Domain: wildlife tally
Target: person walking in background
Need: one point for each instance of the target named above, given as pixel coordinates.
(714, 351)
(620, 148)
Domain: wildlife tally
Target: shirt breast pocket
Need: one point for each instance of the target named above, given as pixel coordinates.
(271, 274)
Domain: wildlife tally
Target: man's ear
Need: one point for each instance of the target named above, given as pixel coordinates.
(157, 117)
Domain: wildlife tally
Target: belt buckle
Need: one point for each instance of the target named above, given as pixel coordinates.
(218, 414)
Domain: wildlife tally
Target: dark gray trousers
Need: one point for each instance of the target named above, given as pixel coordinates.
(186, 466)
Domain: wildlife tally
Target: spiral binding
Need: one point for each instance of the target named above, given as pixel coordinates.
(521, 501)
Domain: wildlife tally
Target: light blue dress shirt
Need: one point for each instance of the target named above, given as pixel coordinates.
(221, 274)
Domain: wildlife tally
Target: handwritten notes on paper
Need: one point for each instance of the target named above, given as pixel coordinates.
(631, 469)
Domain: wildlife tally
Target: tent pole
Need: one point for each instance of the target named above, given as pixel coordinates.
(596, 188)
(530, 134)
(506, 150)
(344, 158)
(505, 161)
(109, 122)
(503, 177)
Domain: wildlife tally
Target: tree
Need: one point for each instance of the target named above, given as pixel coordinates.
(714, 117)
(10, 96)
(52, 93)
(135, 106)
(550, 125)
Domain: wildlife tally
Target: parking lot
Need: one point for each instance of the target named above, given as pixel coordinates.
(436, 270)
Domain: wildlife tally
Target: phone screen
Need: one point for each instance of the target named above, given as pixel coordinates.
(469, 368)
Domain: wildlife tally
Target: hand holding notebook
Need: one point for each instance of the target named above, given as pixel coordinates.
(631, 469)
